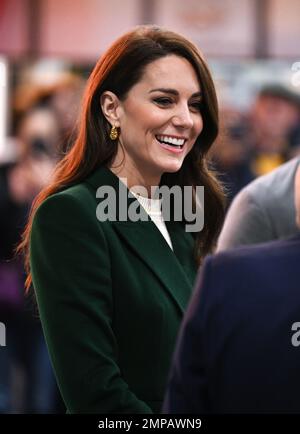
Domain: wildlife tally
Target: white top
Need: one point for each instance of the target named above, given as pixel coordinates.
(153, 209)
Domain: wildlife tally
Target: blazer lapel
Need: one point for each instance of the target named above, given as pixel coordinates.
(175, 269)
(183, 245)
(149, 244)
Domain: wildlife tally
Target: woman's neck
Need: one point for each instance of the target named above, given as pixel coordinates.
(135, 181)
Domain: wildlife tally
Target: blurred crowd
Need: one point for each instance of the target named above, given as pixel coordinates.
(43, 121)
(250, 144)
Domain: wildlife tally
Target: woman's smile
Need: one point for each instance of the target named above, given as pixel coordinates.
(174, 143)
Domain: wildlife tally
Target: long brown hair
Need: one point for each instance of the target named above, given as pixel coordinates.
(118, 70)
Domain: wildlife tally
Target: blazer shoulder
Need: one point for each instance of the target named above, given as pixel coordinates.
(72, 202)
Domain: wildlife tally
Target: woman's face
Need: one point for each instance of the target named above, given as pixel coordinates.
(160, 118)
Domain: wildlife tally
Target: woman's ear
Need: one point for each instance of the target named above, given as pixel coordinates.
(110, 105)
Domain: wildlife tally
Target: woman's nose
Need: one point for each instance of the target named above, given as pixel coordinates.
(182, 118)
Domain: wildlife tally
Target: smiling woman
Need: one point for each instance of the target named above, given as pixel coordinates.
(159, 120)
(111, 294)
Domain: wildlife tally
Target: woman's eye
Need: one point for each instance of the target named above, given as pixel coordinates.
(163, 101)
(197, 105)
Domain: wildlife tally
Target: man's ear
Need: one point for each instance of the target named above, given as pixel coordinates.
(110, 105)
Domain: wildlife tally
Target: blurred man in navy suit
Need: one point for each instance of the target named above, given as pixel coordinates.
(238, 348)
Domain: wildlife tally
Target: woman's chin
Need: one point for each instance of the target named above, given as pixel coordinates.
(172, 168)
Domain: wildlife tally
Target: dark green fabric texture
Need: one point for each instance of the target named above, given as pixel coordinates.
(111, 296)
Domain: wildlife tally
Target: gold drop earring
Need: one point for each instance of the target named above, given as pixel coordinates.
(114, 133)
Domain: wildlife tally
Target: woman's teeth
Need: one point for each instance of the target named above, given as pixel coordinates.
(178, 143)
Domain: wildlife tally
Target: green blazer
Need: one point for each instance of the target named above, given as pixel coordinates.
(111, 296)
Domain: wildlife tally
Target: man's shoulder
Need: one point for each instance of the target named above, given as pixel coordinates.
(278, 182)
(253, 264)
(255, 253)
(263, 210)
(257, 272)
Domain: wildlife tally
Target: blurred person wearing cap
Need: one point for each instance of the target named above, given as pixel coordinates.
(274, 127)
(256, 143)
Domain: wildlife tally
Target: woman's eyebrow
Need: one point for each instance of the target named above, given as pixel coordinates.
(174, 92)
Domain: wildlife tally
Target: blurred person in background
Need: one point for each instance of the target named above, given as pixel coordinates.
(231, 155)
(264, 209)
(111, 294)
(274, 128)
(62, 96)
(65, 99)
(255, 143)
(25, 355)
